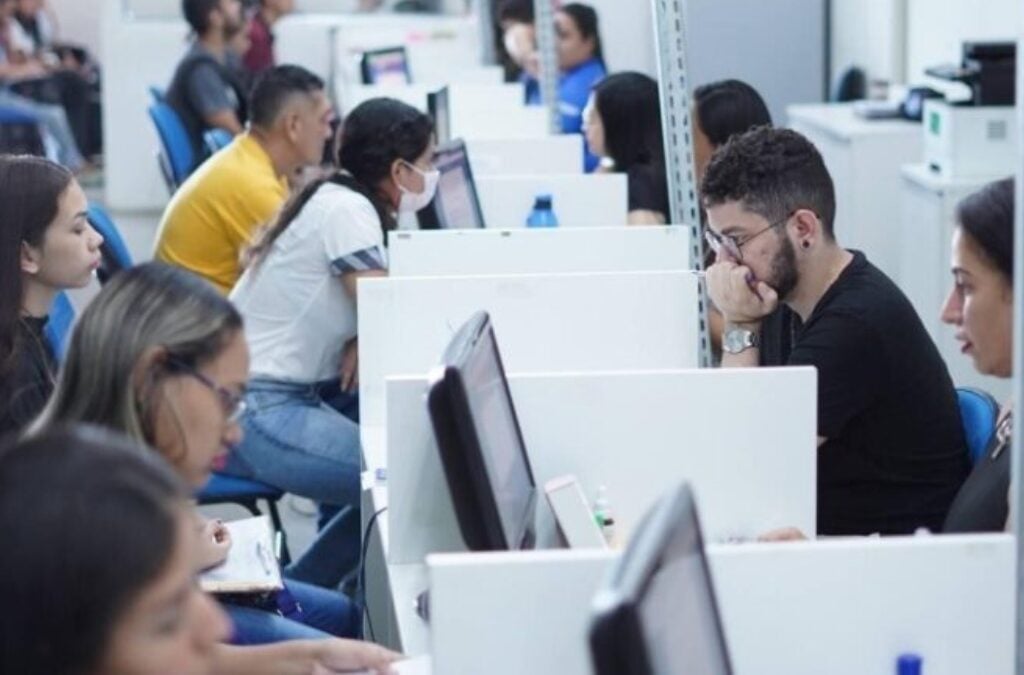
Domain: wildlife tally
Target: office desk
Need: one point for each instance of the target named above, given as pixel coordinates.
(864, 158)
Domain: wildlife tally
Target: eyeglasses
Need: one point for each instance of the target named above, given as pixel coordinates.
(731, 245)
(233, 404)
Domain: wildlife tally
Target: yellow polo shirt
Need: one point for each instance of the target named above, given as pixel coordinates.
(214, 213)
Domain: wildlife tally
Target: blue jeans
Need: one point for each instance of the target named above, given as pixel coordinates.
(324, 614)
(298, 443)
(54, 120)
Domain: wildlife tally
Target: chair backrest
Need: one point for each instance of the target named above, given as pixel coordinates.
(216, 139)
(58, 328)
(20, 133)
(116, 256)
(174, 139)
(157, 94)
(979, 412)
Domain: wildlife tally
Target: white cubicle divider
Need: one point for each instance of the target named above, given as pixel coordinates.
(544, 322)
(463, 99)
(579, 200)
(843, 607)
(635, 433)
(531, 156)
(538, 251)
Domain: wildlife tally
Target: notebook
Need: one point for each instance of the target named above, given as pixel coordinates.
(251, 566)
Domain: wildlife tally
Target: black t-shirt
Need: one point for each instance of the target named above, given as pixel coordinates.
(895, 453)
(648, 189)
(981, 505)
(30, 383)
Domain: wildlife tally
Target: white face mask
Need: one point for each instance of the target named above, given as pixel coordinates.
(410, 202)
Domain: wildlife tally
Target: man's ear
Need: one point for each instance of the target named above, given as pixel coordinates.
(808, 226)
(30, 258)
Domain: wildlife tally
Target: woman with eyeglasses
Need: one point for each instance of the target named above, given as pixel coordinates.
(46, 246)
(160, 356)
(298, 297)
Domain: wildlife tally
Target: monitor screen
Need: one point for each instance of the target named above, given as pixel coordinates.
(386, 66)
(456, 204)
(437, 106)
(480, 443)
(660, 600)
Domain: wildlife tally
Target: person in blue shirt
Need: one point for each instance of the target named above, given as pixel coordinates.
(581, 66)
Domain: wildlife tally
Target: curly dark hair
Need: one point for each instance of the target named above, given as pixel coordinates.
(771, 172)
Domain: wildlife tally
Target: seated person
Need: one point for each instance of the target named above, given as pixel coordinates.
(204, 92)
(891, 448)
(581, 65)
(172, 378)
(47, 245)
(622, 122)
(214, 214)
(111, 588)
(328, 237)
(980, 307)
(260, 55)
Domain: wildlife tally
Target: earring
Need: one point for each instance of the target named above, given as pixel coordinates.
(807, 244)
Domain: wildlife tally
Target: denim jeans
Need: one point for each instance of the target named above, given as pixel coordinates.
(298, 443)
(54, 120)
(324, 614)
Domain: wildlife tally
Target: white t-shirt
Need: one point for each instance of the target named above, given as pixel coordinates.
(298, 315)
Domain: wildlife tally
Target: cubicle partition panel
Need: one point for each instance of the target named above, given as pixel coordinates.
(544, 322)
(577, 200)
(636, 434)
(843, 607)
(537, 251)
(530, 156)
(463, 99)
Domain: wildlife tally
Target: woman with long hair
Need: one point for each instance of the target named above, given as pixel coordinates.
(46, 246)
(298, 297)
(622, 122)
(159, 355)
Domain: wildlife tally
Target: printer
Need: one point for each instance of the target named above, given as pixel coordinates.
(974, 138)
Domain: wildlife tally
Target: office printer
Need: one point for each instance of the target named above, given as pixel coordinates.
(975, 138)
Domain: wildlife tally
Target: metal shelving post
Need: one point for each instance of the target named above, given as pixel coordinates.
(544, 21)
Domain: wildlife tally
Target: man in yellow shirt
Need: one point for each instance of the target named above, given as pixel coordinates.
(214, 214)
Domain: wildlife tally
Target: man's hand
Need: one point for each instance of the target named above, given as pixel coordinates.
(738, 296)
(344, 656)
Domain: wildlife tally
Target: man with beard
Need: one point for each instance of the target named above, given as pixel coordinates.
(204, 92)
(891, 449)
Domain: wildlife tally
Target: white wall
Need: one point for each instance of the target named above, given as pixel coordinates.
(79, 22)
(627, 34)
(869, 35)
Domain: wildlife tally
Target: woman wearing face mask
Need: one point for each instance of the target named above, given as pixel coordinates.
(298, 297)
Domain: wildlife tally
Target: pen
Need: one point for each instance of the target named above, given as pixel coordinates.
(261, 553)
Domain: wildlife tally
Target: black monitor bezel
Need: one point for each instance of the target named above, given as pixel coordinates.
(473, 498)
(617, 642)
(430, 216)
(366, 72)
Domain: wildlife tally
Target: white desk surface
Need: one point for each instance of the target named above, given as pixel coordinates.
(921, 175)
(838, 119)
(374, 439)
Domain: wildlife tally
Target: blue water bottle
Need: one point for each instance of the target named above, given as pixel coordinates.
(542, 215)
(908, 664)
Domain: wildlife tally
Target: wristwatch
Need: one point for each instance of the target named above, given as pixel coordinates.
(738, 340)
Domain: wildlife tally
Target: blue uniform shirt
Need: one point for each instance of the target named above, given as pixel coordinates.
(573, 91)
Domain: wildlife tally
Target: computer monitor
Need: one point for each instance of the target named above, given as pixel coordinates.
(386, 66)
(437, 107)
(656, 613)
(480, 444)
(456, 204)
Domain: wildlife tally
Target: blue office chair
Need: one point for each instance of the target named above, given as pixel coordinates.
(225, 489)
(157, 94)
(979, 413)
(20, 133)
(216, 139)
(176, 158)
(58, 328)
(116, 256)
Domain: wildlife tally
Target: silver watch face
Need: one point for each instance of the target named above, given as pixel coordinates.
(737, 340)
